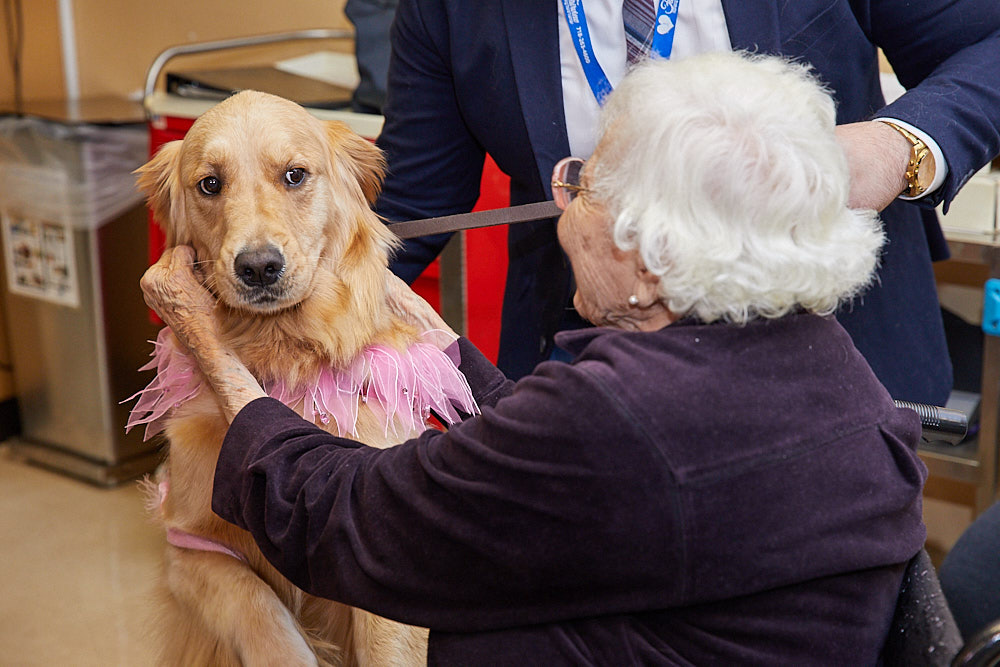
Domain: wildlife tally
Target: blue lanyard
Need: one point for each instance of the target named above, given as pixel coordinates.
(576, 18)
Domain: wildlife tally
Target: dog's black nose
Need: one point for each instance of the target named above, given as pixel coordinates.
(260, 268)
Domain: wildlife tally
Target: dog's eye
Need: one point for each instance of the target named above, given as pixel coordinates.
(295, 176)
(210, 185)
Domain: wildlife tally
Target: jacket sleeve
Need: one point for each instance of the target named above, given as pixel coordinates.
(488, 383)
(435, 164)
(947, 56)
(516, 517)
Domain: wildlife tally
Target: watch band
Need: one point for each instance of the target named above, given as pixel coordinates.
(918, 154)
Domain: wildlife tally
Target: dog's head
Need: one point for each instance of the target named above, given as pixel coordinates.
(273, 200)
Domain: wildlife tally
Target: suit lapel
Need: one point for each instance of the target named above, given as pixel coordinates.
(534, 49)
(753, 25)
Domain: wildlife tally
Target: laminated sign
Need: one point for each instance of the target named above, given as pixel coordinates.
(40, 259)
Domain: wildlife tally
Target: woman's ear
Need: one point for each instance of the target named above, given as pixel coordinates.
(647, 283)
(159, 180)
(365, 162)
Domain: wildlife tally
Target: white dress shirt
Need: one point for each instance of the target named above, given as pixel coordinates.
(701, 28)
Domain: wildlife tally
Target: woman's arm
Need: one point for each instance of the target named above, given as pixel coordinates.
(522, 515)
(487, 382)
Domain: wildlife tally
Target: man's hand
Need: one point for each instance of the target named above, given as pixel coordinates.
(877, 156)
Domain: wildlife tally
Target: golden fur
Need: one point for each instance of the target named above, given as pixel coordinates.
(327, 303)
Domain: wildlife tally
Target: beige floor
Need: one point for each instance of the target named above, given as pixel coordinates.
(76, 566)
(77, 562)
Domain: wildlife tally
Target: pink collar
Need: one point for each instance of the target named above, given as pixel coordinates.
(401, 387)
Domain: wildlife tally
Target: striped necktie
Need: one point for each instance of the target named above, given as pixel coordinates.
(638, 17)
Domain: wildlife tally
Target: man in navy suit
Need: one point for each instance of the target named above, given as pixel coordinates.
(469, 77)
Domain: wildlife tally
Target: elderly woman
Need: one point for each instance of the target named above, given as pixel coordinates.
(717, 477)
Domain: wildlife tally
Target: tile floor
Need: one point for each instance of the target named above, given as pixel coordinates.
(77, 564)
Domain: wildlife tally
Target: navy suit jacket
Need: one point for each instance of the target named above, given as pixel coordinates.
(469, 77)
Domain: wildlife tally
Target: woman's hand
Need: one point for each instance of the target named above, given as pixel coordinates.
(412, 308)
(877, 156)
(171, 288)
(174, 292)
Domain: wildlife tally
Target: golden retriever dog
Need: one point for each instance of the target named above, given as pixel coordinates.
(276, 204)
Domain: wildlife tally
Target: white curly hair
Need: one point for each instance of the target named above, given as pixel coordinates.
(724, 173)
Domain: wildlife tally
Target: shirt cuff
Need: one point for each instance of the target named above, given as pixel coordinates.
(940, 166)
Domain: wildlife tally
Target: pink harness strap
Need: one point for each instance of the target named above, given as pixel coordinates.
(184, 540)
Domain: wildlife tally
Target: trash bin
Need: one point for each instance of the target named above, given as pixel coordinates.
(74, 238)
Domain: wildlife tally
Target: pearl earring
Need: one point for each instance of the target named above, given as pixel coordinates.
(633, 300)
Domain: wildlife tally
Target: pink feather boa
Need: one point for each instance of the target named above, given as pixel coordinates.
(402, 388)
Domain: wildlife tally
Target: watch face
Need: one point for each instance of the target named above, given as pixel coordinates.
(924, 169)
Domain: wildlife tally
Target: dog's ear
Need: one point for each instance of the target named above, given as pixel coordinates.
(159, 180)
(359, 155)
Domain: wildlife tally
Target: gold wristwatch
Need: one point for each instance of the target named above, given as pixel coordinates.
(920, 170)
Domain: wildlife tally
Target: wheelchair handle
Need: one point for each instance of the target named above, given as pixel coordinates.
(939, 425)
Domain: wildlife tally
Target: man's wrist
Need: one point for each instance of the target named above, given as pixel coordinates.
(925, 169)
